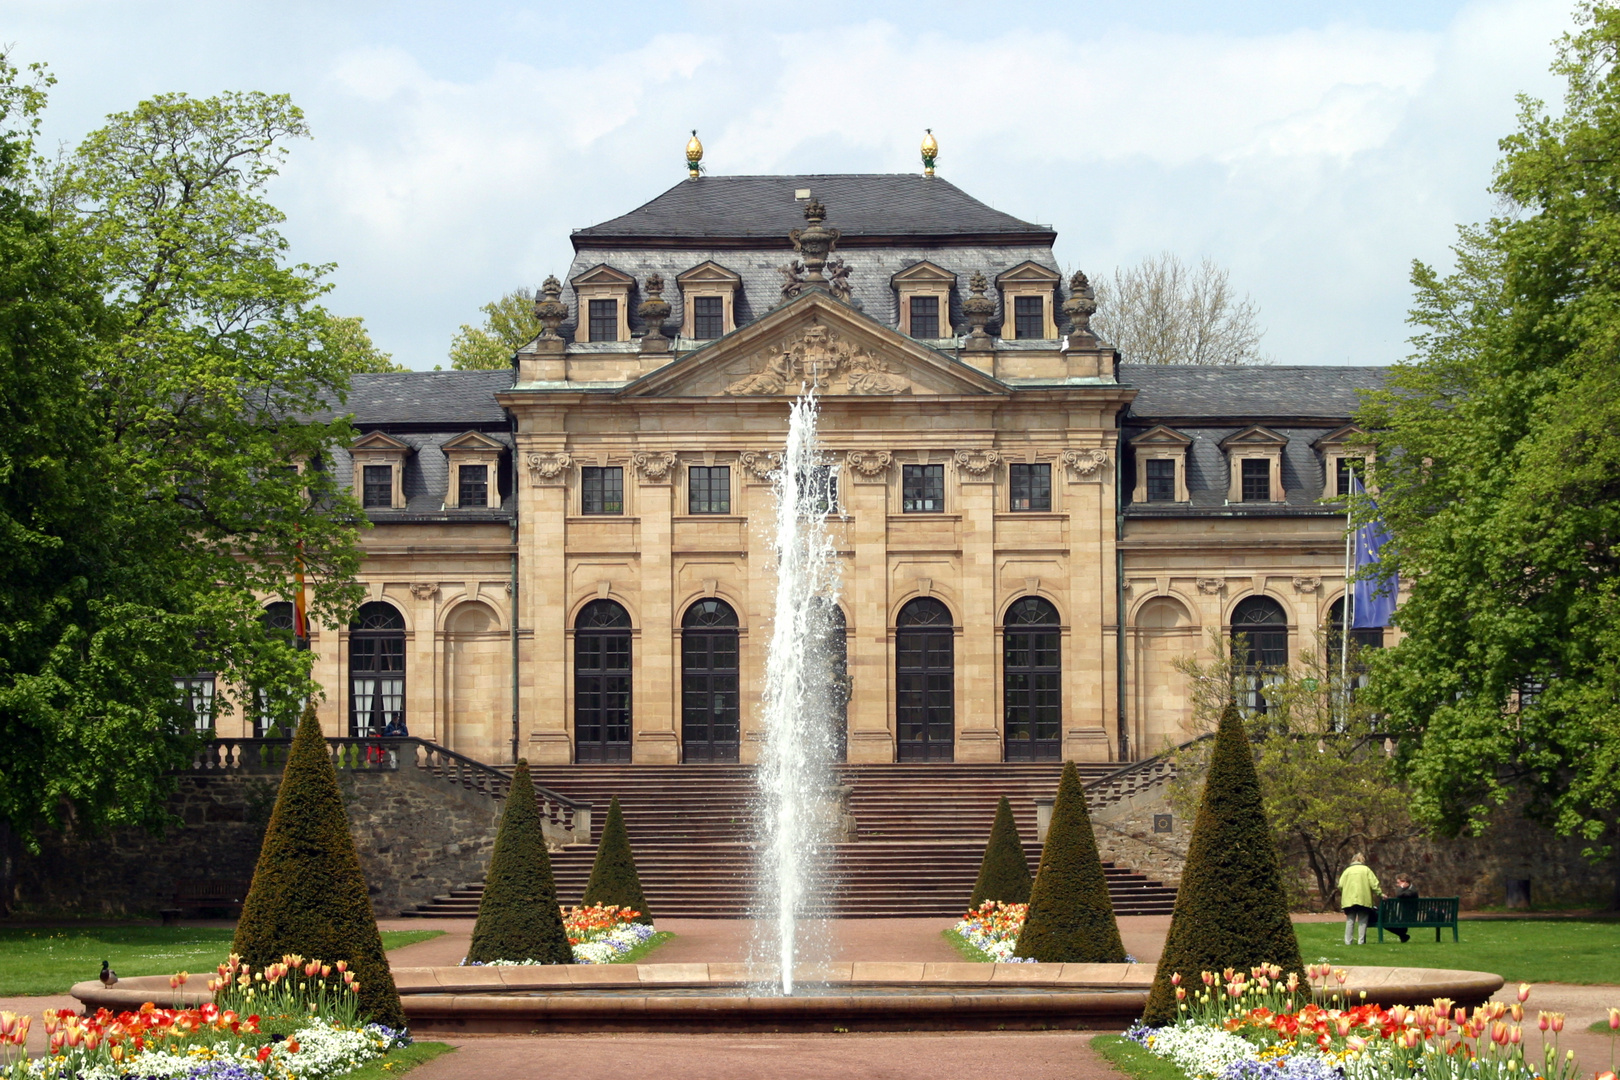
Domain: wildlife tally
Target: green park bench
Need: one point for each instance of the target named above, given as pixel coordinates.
(1418, 913)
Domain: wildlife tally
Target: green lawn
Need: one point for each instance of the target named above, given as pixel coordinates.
(969, 951)
(397, 1062)
(1519, 950)
(1134, 1060)
(635, 955)
(50, 961)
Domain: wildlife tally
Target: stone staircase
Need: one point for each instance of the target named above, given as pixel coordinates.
(921, 830)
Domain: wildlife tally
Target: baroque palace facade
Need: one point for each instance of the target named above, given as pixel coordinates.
(570, 561)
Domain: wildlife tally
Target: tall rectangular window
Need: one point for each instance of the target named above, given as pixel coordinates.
(708, 489)
(708, 317)
(1348, 465)
(1030, 486)
(1161, 480)
(925, 317)
(922, 489)
(604, 320)
(472, 485)
(819, 483)
(1029, 316)
(1256, 480)
(378, 481)
(196, 696)
(602, 489)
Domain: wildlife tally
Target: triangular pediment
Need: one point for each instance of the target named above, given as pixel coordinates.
(380, 440)
(601, 274)
(470, 441)
(708, 272)
(1349, 435)
(816, 339)
(1254, 436)
(1029, 271)
(1162, 438)
(923, 273)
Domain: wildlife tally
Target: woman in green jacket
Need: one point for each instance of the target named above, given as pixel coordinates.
(1358, 887)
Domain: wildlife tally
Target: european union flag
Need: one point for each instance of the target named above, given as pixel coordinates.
(1373, 591)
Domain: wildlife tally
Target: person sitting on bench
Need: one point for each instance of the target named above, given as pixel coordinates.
(1403, 889)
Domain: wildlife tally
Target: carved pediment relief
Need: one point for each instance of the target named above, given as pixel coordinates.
(820, 358)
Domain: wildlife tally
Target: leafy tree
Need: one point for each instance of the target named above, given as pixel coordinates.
(1004, 873)
(1327, 785)
(518, 917)
(613, 875)
(309, 894)
(509, 324)
(1071, 917)
(1162, 311)
(1231, 909)
(348, 335)
(1498, 475)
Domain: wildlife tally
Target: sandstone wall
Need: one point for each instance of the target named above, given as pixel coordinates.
(417, 837)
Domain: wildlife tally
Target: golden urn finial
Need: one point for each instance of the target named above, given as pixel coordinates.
(694, 156)
(930, 151)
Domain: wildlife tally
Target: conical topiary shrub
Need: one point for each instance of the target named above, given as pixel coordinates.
(1071, 918)
(1231, 911)
(1004, 873)
(518, 918)
(308, 895)
(613, 876)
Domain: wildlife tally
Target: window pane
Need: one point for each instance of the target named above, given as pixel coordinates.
(197, 697)
(604, 320)
(1161, 480)
(922, 489)
(925, 316)
(472, 485)
(1029, 316)
(708, 317)
(602, 489)
(709, 489)
(1256, 480)
(1347, 465)
(819, 488)
(378, 482)
(1030, 486)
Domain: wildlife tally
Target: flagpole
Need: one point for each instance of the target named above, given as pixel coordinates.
(1346, 618)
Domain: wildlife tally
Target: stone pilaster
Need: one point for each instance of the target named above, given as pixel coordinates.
(658, 683)
(978, 727)
(1090, 695)
(543, 603)
(865, 494)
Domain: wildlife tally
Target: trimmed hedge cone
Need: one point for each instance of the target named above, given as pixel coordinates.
(308, 894)
(613, 876)
(1231, 910)
(518, 918)
(1004, 873)
(1071, 918)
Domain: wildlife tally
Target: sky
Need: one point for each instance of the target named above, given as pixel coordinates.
(1314, 150)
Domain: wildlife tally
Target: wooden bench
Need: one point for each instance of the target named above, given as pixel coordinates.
(192, 896)
(1418, 913)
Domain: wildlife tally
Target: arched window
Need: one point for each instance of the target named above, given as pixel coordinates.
(1368, 638)
(710, 717)
(377, 671)
(827, 668)
(1032, 677)
(1259, 648)
(925, 681)
(602, 683)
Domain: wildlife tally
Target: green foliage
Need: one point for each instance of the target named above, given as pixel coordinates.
(1498, 473)
(518, 918)
(1327, 786)
(309, 895)
(1071, 919)
(509, 324)
(348, 337)
(613, 876)
(1004, 873)
(1231, 910)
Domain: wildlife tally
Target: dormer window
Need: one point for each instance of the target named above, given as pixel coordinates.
(924, 290)
(1344, 451)
(602, 295)
(474, 458)
(1161, 466)
(1254, 457)
(1027, 291)
(709, 299)
(379, 471)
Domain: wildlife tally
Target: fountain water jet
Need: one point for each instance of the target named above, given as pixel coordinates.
(795, 766)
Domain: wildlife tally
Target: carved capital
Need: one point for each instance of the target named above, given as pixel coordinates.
(424, 590)
(1307, 584)
(869, 464)
(547, 468)
(654, 466)
(760, 465)
(1211, 586)
(1083, 463)
(977, 463)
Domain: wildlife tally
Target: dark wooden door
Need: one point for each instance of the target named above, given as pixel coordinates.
(710, 715)
(1032, 682)
(925, 683)
(602, 683)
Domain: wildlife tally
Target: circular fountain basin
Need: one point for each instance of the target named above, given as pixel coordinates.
(740, 997)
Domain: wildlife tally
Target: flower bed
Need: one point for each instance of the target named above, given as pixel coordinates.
(993, 929)
(1262, 1026)
(598, 934)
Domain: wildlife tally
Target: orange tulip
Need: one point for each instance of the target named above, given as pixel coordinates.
(1524, 991)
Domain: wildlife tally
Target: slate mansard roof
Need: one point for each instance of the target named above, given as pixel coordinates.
(867, 208)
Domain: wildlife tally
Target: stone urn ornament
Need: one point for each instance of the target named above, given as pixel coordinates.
(1080, 307)
(978, 308)
(814, 242)
(550, 309)
(653, 311)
